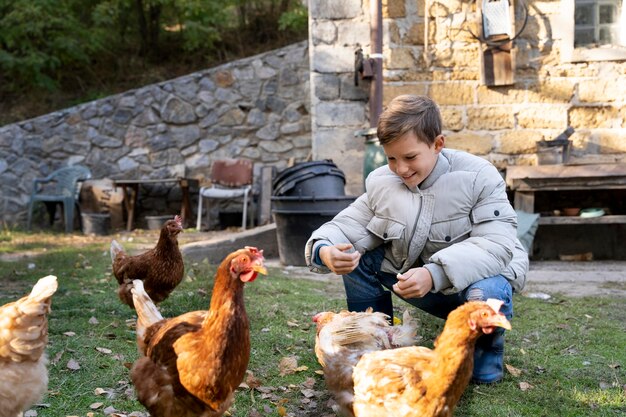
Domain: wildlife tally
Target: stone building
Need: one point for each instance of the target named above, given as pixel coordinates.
(560, 77)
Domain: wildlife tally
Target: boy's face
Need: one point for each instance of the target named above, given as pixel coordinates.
(411, 159)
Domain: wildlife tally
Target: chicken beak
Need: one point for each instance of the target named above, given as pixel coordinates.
(261, 269)
(501, 321)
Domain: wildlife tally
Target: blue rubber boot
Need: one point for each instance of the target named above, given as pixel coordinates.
(489, 358)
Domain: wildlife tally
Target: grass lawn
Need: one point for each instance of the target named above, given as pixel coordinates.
(566, 355)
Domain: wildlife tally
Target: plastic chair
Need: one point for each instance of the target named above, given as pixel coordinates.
(62, 188)
(230, 178)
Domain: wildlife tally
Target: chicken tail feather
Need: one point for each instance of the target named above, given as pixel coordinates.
(147, 313)
(115, 249)
(36, 303)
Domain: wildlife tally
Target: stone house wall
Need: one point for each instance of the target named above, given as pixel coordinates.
(256, 108)
(502, 124)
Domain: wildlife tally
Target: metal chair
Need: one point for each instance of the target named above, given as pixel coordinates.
(230, 178)
(61, 186)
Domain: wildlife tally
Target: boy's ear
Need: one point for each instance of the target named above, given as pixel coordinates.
(440, 142)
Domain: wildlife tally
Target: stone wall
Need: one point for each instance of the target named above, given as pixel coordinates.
(501, 124)
(257, 108)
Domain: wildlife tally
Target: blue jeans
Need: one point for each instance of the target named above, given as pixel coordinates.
(368, 282)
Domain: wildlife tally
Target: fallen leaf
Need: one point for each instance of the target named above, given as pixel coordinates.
(252, 381)
(309, 382)
(292, 324)
(524, 386)
(69, 334)
(73, 365)
(30, 413)
(281, 410)
(308, 393)
(288, 365)
(93, 320)
(513, 370)
(95, 406)
(614, 365)
(104, 350)
(319, 372)
(100, 391)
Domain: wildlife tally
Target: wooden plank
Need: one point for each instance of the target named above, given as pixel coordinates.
(568, 185)
(265, 196)
(576, 220)
(525, 201)
(564, 171)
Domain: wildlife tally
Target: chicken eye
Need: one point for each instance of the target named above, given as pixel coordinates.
(484, 314)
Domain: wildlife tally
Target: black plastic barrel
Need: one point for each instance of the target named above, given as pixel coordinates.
(297, 217)
(315, 178)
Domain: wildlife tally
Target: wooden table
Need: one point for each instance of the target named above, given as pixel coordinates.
(526, 180)
(131, 192)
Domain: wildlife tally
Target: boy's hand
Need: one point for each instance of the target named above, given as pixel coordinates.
(414, 283)
(338, 260)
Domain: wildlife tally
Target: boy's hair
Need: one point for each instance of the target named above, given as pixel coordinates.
(410, 112)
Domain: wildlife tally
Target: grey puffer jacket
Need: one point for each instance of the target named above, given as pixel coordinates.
(458, 224)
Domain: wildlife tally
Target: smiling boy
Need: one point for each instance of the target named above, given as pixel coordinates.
(434, 226)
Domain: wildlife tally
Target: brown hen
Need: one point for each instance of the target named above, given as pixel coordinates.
(342, 338)
(420, 382)
(23, 341)
(194, 362)
(161, 268)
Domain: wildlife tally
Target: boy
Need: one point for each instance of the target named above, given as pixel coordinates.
(434, 226)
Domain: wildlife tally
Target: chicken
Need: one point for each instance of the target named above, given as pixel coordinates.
(23, 340)
(161, 268)
(417, 381)
(343, 337)
(194, 362)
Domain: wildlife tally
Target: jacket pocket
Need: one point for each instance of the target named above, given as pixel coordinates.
(497, 210)
(447, 232)
(386, 229)
(391, 232)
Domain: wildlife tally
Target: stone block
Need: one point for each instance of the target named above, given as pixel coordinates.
(340, 114)
(326, 86)
(602, 91)
(490, 118)
(323, 32)
(551, 91)
(611, 141)
(393, 8)
(415, 34)
(353, 33)
(470, 142)
(396, 58)
(393, 90)
(452, 118)
(500, 95)
(452, 93)
(519, 141)
(592, 117)
(542, 116)
(333, 59)
(333, 9)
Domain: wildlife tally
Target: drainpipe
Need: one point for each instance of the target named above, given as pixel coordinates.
(376, 54)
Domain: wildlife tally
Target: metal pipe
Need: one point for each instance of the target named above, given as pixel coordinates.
(376, 54)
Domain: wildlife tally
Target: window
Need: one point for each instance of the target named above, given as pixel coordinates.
(596, 31)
